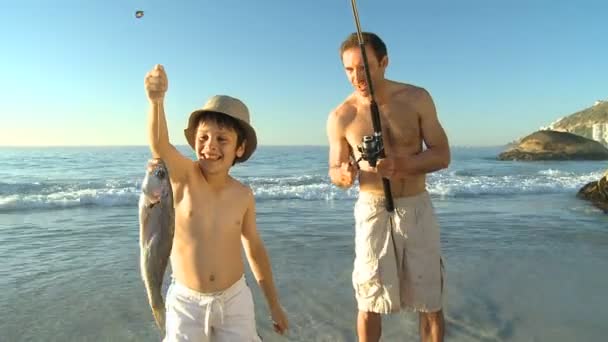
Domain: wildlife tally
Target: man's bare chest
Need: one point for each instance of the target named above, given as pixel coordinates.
(400, 126)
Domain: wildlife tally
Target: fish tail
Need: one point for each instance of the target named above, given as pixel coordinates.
(159, 318)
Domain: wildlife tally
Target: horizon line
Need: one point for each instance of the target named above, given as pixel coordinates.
(185, 145)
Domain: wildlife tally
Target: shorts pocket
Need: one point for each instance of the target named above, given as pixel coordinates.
(366, 280)
(364, 212)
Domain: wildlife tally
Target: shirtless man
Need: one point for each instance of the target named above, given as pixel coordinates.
(398, 256)
(209, 299)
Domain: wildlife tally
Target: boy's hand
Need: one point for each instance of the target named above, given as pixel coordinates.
(152, 163)
(156, 83)
(279, 319)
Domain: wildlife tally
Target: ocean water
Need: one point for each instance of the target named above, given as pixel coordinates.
(525, 259)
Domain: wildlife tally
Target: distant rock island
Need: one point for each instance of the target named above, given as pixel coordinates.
(596, 192)
(579, 136)
(555, 145)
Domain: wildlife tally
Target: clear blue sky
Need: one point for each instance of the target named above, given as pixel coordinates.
(72, 71)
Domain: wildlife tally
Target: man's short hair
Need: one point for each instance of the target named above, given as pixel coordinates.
(370, 39)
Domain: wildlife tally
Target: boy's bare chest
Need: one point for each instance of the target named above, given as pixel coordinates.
(205, 212)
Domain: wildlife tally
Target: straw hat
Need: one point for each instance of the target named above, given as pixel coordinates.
(232, 107)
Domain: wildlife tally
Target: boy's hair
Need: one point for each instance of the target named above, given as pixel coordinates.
(225, 121)
(370, 39)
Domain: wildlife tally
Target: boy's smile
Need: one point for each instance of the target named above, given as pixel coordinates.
(211, 156)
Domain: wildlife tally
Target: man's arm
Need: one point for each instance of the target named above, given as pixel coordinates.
(260, 265)
(341, 171)
(156, 85)
(435, 157)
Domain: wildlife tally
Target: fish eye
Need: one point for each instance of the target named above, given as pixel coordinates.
(160, 173)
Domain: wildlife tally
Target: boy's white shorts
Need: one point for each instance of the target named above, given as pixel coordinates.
(226, 316)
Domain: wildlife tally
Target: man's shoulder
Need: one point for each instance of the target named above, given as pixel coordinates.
(410, 91)
(344, 110)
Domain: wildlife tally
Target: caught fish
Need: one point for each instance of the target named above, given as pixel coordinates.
(157, 226)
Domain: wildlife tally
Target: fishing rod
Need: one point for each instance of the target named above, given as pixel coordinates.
(372, 146)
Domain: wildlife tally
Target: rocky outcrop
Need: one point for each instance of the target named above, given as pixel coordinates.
(581, 122)
(596, 192)
(554, 145)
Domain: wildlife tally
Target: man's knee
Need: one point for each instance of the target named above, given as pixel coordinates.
(369, 317)
(431, 318)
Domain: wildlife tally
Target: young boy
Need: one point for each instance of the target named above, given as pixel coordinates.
(214, 213)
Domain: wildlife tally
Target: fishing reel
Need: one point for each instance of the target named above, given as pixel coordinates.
(371, 149)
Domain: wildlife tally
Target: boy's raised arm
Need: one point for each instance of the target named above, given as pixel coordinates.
(156, 84)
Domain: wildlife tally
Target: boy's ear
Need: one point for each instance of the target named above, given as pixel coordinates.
(241, 149)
